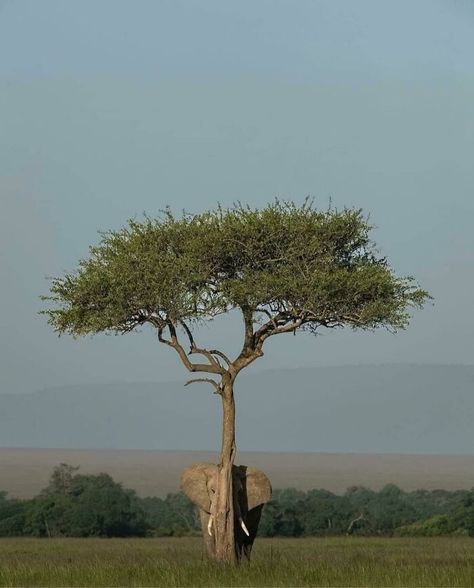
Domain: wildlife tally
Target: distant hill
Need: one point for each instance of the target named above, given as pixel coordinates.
(363, 409)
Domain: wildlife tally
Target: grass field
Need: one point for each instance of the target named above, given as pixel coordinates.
(276, 562)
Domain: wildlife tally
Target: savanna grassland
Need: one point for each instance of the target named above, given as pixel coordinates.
(348, 561)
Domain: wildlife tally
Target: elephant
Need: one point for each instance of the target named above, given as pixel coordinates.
(251, 489)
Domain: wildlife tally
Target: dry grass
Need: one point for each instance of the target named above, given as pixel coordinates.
(276, 562)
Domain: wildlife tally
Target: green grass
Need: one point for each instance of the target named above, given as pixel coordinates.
(276, 562)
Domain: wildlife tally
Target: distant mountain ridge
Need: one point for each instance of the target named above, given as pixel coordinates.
(358, 409)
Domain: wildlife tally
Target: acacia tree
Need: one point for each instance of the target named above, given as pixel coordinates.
(284, 268)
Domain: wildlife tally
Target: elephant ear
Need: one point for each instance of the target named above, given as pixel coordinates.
(194, 484)
(258, 488)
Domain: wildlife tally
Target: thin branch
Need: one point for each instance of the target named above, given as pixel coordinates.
(289, 327)
(207, 381)
(353, 522)
(194, 349)
(212, 360)
(221, 355)
(188, 333)
(272, 325)
(269, 315)
(174, 343)
(253, 342)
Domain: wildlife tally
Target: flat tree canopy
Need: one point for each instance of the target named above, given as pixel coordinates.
(284, 266)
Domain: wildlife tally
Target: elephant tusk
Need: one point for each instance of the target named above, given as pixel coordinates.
(242, 524)
(209, 525)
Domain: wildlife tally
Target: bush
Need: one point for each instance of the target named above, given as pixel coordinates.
(432, 527)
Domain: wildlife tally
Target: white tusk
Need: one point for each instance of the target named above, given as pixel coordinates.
(242, 524)
(209, 525)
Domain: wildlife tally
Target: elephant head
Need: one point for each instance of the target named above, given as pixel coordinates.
(251, 490)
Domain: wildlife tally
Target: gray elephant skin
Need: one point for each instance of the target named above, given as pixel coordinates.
(251, 489)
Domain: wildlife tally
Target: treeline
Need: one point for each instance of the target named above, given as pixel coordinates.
(360, 511)
(77, 505)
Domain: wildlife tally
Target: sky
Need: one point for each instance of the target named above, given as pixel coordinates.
(109, 109)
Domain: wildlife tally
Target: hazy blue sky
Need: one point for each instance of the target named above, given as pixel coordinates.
(112, 108)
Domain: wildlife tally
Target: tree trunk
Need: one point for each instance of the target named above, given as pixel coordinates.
(226, 551)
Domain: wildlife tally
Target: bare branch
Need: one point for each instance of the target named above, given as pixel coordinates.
(221, 355)
(269, 315)
(174, 343)
(253, 342)
(188, 333)
(353, 522)
(212, 360)
(287, 328)
(156, 321)
(207, 381)
(272, 325)
(194, 349)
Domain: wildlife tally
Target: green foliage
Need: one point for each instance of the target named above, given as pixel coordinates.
(62, 480)
(435, 526)
(282, 515)
(102, 508)
(361, 511)
(325, 513)
(464, 513)
(427, 503)
(47, 516)
(12, 516)
(390, 509)
(294, 263)
(175, 515)
(85, 506)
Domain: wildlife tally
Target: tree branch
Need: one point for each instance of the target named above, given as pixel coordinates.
(269, 315)
(288, 327)
(271, 326)
(212, 360)
(208, 381)
(248, 353)
(253, 342)
(194, 349)
(220, 354)
(248, 325)
(188, 333)
(189, 365)
(353, 522)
